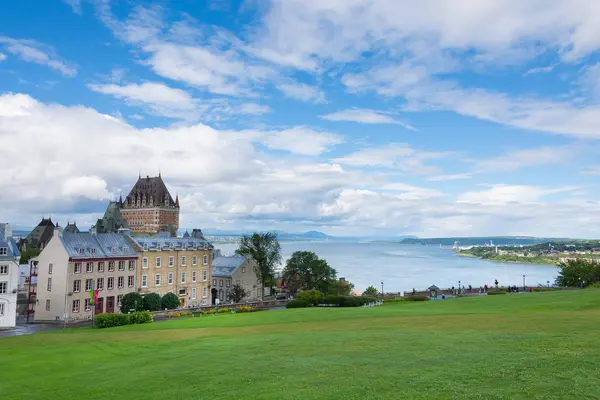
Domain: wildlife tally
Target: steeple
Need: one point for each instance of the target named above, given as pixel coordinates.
(177, 200)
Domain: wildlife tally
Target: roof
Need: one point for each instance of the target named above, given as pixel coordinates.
(71, 228)
(225, 266)
(102, 245)
(8, 242)
(433, 287)
(112, 220)
(41, 234)
(159, 242)
(151, 189)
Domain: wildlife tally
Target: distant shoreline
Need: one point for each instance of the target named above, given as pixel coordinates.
(524, 261)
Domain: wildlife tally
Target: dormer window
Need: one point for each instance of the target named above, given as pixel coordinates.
(114, 250)
(145, 246)
(93, 251)
(126, 249)
(81, 251)
(3, 251)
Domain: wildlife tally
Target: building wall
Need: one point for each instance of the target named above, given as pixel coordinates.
(8, 300)
(184, 290)
(151, 220)
(245, 276)
(54, 253)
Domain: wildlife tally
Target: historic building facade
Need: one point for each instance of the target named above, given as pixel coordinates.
(149, 207)
(72, 264)
(9, 277)
(234, 270)
(176, 265)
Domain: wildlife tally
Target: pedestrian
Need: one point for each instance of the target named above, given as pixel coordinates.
(496, 282)
(470, 288)
(485, 288)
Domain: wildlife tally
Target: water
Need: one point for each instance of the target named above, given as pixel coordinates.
(404, 267)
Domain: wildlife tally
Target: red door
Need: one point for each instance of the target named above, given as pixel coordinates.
(99, 309)
(110, 304)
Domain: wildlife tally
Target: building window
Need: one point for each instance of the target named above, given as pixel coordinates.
(214, 282)
(221, 294)
(3, 287)
(3, 251)
(243, 270)
(114, 250)
(194, 260)
(237, 282)
(145, 262)
(205, 259)
(183, 276)
(77, 286)
(49, 285)
(193, 293)
(121, 282)
(170, 278)
(101, 266)
(221, 282)
(111, 266)
(75, 307)
(144, 280)
(194, 276)
(204, 275)
(131, 265)
(89, 284)
(111, 283)
(228, 283)
(119, 300)
(4, 269)
(87, 305)
(77, 268)
(121, 265)
(81, 251)
(2, 307)
(48, 305)
(93, 251)
(89, 267)
(204, 291)
(49, 269)
(157, 280)
(158, 261)
(183, 260)
(171, 261)
(130, 279)
(100, 283)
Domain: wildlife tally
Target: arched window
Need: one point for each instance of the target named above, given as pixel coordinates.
(221, 294)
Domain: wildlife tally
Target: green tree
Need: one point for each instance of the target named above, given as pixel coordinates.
(170, 301)
(312, 297)
(132, 301)
(237, 294)
(307, 271)
(575, 272)
(29, 254)
(340, 288)
(371, 291)
(265, 250)
(152, 302)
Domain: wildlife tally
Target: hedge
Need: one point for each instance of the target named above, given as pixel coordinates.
(495, 293)
(111, 320)
(416, 298)
(347, 301)
(312, 297)
(296, 304)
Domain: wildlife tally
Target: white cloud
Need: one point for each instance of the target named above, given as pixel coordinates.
(302, 92)
(301, 140)
(527, 158)
(2, 57)
(92, 187)
(591, 171)
(502, 194)
(38, 53)
(74, 4)
(448, 177)
(254, 109)
(539, 70)
(365, 116)
(410, 192)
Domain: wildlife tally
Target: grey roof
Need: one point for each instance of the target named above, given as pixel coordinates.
(10, 243)
(112, 220)
(225, 266)
(160, 242)
(433, 287)
(150, 189)
(71, 228)
(102, 245)
(41, 234)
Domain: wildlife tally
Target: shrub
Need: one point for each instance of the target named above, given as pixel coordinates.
(594, 286)
(347, 301)
(416, 298)
(495, 293)
(210, 312)
(110, 320)
(225, 310)
(152, 302)
(242, 309)
(312, 297)
(544, 289)
(297, 304)
(141, 317)
(170, 301)
(132, 301)
(173, 315)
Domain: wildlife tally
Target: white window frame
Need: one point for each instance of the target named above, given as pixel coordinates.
(205, 259)
(3, 287)
(157, 279)
(204, 292)
(120, 282)
(243, 270)
(49, 287)
(183, 276)
(50, 266)
(171, 261)
(121, 263)
(77, 286)
(183, 261)
(88, 287)
(228, 283)
(132, 279)
(100, 266)
(145, 262)
(87, 306)
(145, 281)
(75, 306)
(170, 278)
(47, 304)
(108, 283)
(131, 265)
(158, 262)
(2, 309)
(89, 268)
(100, 284)
(193, 293)
(214, 282)
(194, 260)
(194, 276)
(77, 270)
(204, 275)
(4, 270)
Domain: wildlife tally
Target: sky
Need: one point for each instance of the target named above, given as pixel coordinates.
(351, 117)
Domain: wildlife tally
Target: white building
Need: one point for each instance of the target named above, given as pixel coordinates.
(9, 277)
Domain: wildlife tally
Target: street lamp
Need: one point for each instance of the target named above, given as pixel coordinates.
(381, 291)
(523, 281)
(548, 282)
(458, 286)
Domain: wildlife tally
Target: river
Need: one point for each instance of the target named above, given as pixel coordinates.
(403, 267)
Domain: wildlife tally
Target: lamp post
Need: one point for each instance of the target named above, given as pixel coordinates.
(523, 281)
(548, 282)
(381, 291)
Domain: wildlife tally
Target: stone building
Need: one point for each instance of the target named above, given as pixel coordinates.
(39, 236)
(9, 277)
(176, 265)
(72, 264)
(234, 270)
(149, 207)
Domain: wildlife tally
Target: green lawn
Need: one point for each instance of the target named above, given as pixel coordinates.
(538, 345)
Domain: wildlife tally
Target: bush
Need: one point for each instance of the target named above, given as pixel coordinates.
(170, 301)
(210, 312)
(312, 297)
(495, 293)
(416, 298)
(152, 302)
(141, 317)
(242, 309)
(132, 301)
(110, 320)
(224, 310)
(347, 301)
(173, 315)
(297, 304)
(544, 289)
(594, 286)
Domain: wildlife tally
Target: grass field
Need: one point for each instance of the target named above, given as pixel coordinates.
(535, 346)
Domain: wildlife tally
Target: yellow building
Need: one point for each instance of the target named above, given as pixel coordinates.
(176, 265)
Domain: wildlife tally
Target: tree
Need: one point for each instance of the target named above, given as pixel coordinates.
(265, 250)
(132, 301)
(307, 271)
(170, 301)
(152, 302)
(575, 272)
(29, 254)
(312, 297)
(371, 291)
(340, 288)
(237, 294)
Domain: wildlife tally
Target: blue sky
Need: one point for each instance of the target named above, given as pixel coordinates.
(349, 117)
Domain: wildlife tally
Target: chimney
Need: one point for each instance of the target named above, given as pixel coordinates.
(58, 231)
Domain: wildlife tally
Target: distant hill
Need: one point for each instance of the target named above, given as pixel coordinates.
(280, 234)
(481, 241)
